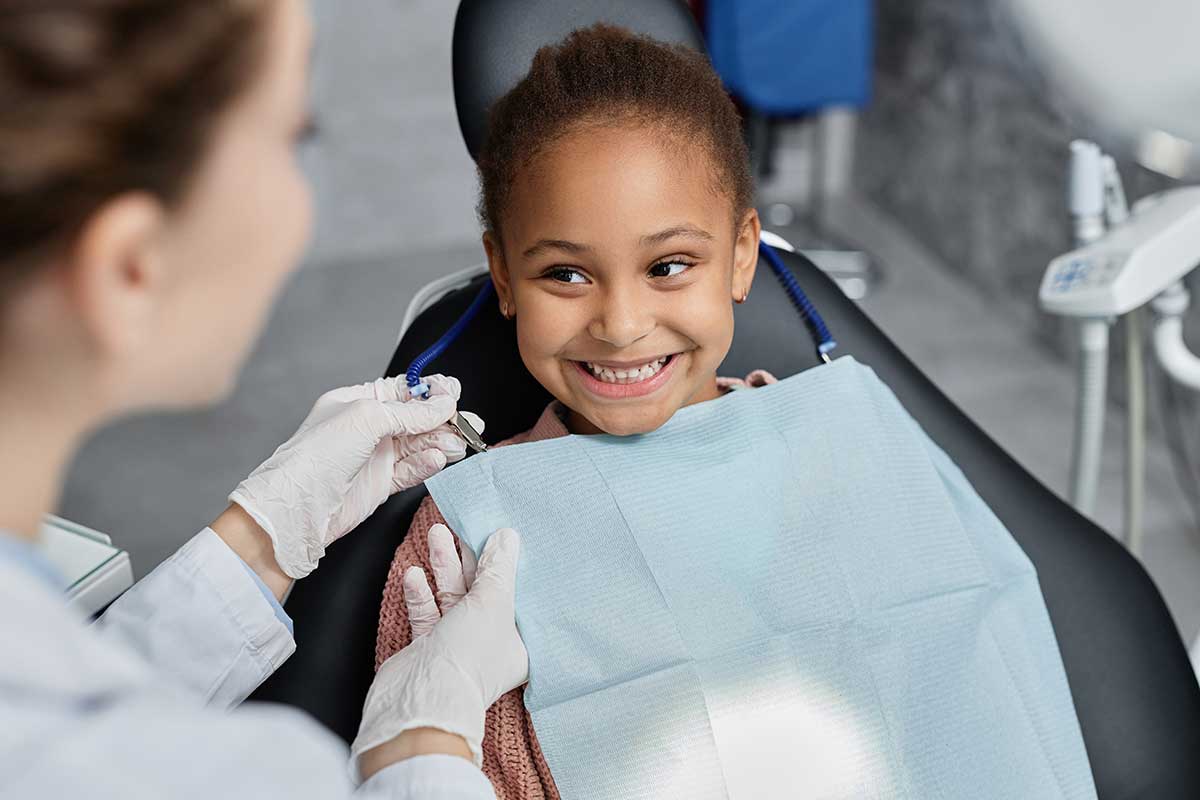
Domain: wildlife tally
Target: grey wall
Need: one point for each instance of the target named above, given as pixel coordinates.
(391, 171)
(965, 146)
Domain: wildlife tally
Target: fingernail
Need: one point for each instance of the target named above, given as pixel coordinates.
(503, 539)
(440, 534)
(449, 439)
(437, 457)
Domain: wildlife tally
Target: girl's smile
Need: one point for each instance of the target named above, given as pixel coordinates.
(621, 381)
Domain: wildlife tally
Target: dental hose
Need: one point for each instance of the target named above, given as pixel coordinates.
(1089, 417)
(1135, 432)
(808, 312)
(1086, 195)
(417, 387)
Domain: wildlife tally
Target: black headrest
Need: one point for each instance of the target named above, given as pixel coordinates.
(495, 41)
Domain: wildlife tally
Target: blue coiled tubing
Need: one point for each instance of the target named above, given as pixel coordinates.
(808, 312)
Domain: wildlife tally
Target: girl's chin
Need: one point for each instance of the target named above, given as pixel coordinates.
(630, 422)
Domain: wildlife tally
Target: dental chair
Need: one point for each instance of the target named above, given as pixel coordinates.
(1136, 695)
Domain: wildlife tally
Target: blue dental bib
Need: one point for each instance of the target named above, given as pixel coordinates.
(788, 592)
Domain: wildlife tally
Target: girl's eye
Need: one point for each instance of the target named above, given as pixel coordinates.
(669, 269)
(566, 275)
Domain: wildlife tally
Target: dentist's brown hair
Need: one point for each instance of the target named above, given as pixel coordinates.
(103, 97)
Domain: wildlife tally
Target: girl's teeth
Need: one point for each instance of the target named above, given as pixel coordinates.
(642, 373)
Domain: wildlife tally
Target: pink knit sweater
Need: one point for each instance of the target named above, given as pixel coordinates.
(512, 758)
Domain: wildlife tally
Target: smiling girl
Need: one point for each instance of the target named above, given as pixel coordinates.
(616, 205)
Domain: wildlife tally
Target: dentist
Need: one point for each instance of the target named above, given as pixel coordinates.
(152, 209)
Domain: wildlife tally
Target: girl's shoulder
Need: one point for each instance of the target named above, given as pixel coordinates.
(550, 425)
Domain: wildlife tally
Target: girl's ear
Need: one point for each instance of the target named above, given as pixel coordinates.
(745, 254)
(500, 278)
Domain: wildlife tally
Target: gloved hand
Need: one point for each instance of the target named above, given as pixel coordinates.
(452, 576)
(358, 445)
(462, 661)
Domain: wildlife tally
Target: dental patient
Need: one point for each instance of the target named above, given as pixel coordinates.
(616, 204)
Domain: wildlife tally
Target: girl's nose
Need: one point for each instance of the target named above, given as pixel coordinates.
(622, 319)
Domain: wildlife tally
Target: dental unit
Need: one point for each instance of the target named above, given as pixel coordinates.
(1124, 262)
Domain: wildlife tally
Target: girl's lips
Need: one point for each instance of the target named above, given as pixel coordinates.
(622, 391)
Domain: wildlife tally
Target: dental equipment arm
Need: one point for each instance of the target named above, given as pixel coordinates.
(1109, 276)
(1173, 353)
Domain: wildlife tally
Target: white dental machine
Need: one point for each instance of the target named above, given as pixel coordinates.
(1130, 71)
(1124, 262)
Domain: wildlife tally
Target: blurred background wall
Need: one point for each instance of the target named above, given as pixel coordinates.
(966, 146)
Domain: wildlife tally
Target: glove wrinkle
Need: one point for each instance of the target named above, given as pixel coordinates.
(358, 446)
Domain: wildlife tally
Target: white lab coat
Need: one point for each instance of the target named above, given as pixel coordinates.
(139, 704)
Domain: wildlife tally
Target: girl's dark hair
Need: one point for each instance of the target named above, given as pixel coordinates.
(102, 97)
(604, 74)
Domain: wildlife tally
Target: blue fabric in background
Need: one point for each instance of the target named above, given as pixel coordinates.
(786, 57)
(788, 591)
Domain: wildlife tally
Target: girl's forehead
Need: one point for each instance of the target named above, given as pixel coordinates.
(618, 176)
(624, 146)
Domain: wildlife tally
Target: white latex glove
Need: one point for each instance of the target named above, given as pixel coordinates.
(358, 445)
(453, 579)
(452, 672)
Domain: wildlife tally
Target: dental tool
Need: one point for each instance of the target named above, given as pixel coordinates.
(419, 389)
(468, 432)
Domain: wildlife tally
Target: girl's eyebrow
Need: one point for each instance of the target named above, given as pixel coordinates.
(556, 244)
(686, 231)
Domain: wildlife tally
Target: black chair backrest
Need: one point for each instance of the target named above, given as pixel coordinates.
(495, 41)
(1134, 690)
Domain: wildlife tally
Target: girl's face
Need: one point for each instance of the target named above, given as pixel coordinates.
(620, 260)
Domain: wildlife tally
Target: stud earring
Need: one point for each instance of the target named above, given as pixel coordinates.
(742, 299)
